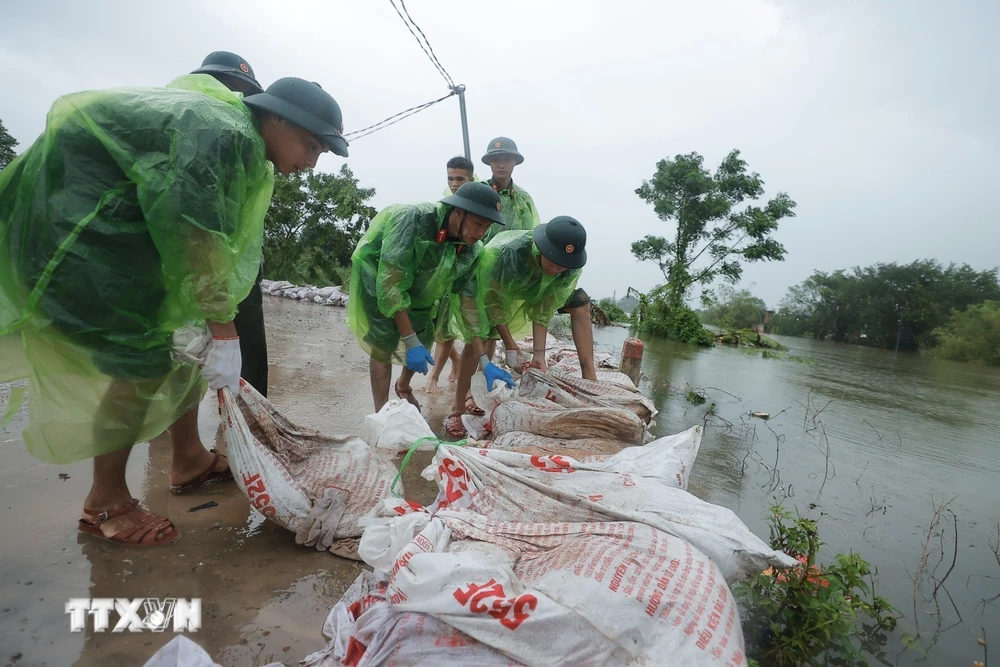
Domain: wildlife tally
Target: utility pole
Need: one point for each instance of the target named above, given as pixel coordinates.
(460, 91)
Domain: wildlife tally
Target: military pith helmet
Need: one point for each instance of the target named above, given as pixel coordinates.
(478, 199)
(229, 64)
(307, 105)
(502, 146)
(562, 241)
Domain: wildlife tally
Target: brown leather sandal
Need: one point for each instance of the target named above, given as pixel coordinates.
(148, 530)
(210, 476)
(454, 427)
(472, 408)
(406, 395)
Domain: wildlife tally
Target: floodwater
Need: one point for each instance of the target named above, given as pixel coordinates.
(903, 431)
(906, 434)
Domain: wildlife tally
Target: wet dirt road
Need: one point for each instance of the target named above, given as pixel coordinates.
(264, 598)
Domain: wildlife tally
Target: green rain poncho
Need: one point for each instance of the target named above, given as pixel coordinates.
(518, 210)
(137, 211)
(399, 264)
(509, 287)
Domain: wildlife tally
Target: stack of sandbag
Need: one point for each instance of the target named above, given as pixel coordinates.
(536, 409)
(641, 484)
(275, 287)
(326, 296)
(315, 485)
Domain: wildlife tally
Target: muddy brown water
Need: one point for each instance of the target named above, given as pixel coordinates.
(905, 432)
(265, 598)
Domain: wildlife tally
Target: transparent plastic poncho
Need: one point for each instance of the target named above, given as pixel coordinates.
(136, 212)
(509, 287)
(401, 265)
(519, 212)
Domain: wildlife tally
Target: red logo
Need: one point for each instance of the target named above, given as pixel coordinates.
(457, 481)
(257, 493)
(496, 144)
(245, 68)
(552, 464)
(499, 206)
(511, 612)
(570, 249)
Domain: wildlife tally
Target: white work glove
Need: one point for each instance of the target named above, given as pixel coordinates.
(222, 364)
(320, 526)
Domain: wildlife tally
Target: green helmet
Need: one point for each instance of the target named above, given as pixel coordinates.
(502, 146)
(478, 199)
(307, 105)
(226, 63)
(562, 241)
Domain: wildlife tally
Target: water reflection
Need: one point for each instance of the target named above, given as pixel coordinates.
(873, 438)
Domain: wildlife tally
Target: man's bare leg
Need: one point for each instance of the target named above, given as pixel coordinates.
(456, 364)
(118, 421)
(583, 338)
(467, 369)
(381, 375)
(190, 458)
(442, 351)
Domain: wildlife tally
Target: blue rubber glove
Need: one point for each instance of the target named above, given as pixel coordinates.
(494, 373)
(417, 356)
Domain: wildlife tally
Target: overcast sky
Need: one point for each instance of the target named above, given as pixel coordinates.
(879, 118)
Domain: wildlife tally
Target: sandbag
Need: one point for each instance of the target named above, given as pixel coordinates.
(617, 593)
(569, 391)
(283, 468)
(396, 426)
(366, 632)
(583, 449)
(642, 484)
(506, 413)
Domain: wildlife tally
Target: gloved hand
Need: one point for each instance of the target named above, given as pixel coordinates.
(494, 373)
(320, 526)
(417, 356)
(222, 364)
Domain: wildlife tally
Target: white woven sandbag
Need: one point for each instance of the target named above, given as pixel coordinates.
(284, 468)
(365, 631)
(396, 426)
(569, 593)
(643, 484)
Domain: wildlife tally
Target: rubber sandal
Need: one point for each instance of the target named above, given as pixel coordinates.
(454, 427)
(472, 408)
(406, 395)
(210, 476)
(143, 532)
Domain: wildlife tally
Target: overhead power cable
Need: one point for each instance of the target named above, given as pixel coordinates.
(425, 43)
(393, 119)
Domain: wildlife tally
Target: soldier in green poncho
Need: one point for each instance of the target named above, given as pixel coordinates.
(137, 212)
(460, 171)
(519, 208)
(522, 278)
(404, 265)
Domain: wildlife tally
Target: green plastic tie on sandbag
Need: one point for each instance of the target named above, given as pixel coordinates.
(416, 445)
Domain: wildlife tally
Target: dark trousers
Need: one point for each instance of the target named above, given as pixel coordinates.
(249, 323)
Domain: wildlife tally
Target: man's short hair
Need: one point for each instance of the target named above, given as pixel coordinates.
(461, 163)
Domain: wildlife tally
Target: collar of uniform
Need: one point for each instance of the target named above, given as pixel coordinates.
(442, 232)
(508, 191)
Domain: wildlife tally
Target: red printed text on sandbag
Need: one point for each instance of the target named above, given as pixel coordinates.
(511, 612)
(257, 493)
(456, 480)
(552, 464)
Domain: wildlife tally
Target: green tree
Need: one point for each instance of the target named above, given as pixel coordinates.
(612, 310)
(314, 223)
(884, 304)
(718, 225)
(972, 335)
(734, 309)
(7, 146)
